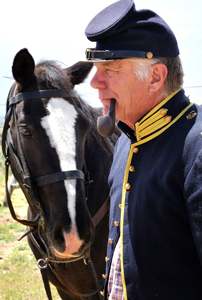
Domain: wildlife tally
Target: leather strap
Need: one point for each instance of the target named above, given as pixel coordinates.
(92, 54)
(40, 94)
(31, 223)
(5, 129)
(72, 290)
(60, 176)
(101, 212)
(46, 283)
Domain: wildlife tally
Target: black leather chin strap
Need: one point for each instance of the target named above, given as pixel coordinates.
(92, 54)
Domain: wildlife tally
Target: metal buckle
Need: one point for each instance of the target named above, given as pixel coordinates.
(88, 53)
(27, 183)
(7, 161)
(91, 53)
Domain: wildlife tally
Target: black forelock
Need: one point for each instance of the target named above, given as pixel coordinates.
(51, 73)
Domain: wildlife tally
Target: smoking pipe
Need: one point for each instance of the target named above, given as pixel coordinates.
(106, 124)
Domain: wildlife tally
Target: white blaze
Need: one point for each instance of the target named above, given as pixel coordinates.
(60, 128)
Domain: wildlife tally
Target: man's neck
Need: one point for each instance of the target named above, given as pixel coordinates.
(145, 107)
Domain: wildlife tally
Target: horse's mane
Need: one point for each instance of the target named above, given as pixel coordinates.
(51, 72)
(92, 115)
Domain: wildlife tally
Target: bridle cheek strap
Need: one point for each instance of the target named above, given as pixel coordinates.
(31, 223)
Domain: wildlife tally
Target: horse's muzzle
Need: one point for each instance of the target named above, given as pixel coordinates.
(74, 246)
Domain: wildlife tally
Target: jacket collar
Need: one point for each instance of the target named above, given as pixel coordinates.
(152, 122)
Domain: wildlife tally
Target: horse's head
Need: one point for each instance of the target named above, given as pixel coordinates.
(48, 133)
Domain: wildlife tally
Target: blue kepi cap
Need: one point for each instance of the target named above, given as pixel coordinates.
(121, 31)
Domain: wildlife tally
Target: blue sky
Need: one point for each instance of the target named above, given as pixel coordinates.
(55, 30)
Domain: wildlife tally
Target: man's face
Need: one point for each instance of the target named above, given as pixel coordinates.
(117, 80)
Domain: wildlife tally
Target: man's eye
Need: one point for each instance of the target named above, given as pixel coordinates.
(110, 71)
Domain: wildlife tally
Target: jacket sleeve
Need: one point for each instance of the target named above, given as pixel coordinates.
(193, 200)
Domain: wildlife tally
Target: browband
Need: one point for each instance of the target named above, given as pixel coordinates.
(41, 94)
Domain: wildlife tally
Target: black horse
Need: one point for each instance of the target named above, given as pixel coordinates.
(51, 141)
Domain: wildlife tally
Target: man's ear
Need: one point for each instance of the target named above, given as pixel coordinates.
(158, 76)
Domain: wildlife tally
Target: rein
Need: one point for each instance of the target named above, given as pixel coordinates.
(31, 185)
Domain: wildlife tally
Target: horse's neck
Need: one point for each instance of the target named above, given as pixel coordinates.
(98, 162)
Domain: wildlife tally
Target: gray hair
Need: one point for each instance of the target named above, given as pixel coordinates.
(174, 79)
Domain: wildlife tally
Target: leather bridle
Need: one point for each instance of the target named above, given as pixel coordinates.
(32, 184)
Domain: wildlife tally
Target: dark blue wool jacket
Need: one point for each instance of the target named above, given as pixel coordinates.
(161, 237)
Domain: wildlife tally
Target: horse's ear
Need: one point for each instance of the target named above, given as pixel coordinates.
(79, 71)
(23, 67)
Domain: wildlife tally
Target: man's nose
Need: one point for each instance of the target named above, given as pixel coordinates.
(98, 82)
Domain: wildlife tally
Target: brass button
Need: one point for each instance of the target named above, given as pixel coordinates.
(163, 111)
(135, 150)
(167, 119)
(127, 186)
(131, 168)
(120, 206)
(111, 241)
(149, 55)
(102, 293)
(104, 276)
(116, 223)
(191, 115)
(106, 259)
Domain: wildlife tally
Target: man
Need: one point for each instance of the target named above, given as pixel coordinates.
(155, 240)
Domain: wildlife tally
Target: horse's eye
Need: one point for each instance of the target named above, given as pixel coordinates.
(26, 132)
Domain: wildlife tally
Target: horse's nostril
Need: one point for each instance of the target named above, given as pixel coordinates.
(67, 229)
(58, 235)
